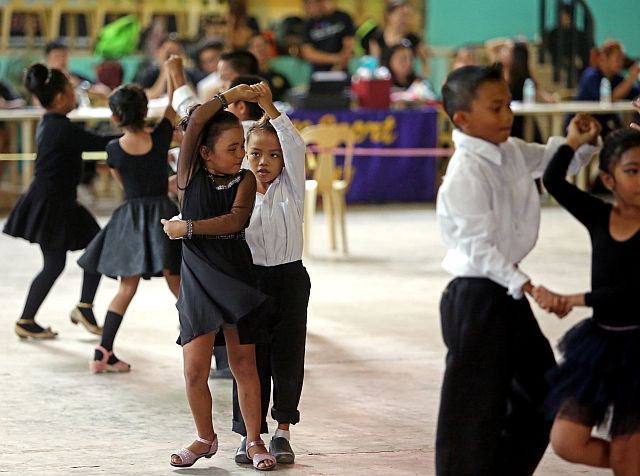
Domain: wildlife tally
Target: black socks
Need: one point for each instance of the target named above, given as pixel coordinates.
(111, 325)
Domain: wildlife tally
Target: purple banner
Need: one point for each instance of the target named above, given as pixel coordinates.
(380, 178)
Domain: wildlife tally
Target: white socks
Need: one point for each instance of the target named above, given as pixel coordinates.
(282, 434)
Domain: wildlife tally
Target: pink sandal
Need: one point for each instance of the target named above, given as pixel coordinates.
(103, 365)
(261, 457)
(188, 457)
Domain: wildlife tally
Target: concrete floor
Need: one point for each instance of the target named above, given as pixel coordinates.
(374, 361)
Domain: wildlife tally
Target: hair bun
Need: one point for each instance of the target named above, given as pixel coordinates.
(36, 77)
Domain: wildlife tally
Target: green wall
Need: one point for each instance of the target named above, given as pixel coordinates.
(456, 22)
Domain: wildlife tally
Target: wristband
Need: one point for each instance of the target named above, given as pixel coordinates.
(189, 229)
(220, 97)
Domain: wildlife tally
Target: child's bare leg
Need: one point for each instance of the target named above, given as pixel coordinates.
(625, 455)
(173, 281)
(242, 361)
(128, 288)
(197, 361)
(573, 442)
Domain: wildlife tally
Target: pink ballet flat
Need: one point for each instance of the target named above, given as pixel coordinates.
(261, 457)
(188, 457)
(103, 365)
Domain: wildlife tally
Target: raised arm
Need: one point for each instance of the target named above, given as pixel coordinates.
(293, 147)
(538, 156)
(580, 204)
(189, 153)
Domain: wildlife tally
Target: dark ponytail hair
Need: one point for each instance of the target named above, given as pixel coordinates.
(262, 125)
(45, 83)
(129, 103)
(616, 144)
(216, 125)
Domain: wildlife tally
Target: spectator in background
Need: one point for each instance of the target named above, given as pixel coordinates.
(465, 56)
(399, 59)
(328, 36)
(399, 19)
(153, 77)
(566, 43)
(208, 79)
(57, 57)
(514, 58)
(241, 26)
(235, 63)
(153, 36)
(279, 84)
(610, 59)
(214, 28)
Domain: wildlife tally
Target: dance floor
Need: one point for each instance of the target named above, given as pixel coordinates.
(374, 360)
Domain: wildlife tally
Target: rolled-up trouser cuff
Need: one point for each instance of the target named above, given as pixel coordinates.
(285, 417)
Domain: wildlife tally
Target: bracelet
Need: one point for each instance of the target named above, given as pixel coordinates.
(220, 97)
(189, 229)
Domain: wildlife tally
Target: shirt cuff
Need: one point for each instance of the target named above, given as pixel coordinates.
(516, 282)
(281, 123)
(182, 98)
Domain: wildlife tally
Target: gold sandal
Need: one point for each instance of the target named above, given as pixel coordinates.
(78, 318)
(23, 332)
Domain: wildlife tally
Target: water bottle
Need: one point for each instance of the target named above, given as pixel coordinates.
(605, 91)
(529, 91)
(83, 94)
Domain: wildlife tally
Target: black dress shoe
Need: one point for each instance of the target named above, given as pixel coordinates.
(281, 449)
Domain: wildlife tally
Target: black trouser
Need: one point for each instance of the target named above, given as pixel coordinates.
(491, 420)
(53, 264)
(282, 359)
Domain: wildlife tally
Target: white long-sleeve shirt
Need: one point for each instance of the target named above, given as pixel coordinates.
(274, 234)
(488, 207)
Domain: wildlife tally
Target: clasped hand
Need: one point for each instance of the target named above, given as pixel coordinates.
(552, 302)
(174, 229)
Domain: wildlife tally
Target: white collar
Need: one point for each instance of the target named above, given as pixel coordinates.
(481, 147)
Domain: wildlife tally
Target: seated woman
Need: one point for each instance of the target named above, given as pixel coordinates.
(400, 61)
(399, 18)
(609, 63)
(514, 58)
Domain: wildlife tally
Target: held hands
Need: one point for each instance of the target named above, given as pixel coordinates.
(583, 129)
(174, 229)
(552, 302)
(265, 99)
(175, 70)
(241, 92)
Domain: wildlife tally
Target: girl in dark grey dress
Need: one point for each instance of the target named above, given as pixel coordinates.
(218, 282)
(132, 245)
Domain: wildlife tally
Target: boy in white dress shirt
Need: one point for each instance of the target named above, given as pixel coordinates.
(491, 420)
(276, 155)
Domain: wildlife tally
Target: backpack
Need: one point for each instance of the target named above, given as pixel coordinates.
(118, 38)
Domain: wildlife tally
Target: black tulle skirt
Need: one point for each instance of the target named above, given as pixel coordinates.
(133, 242)
(600, 370)
(218, 290)
(51, 220)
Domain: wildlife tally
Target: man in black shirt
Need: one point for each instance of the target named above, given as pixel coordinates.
(328, 36)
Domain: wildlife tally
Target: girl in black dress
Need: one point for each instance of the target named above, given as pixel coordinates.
(600, 371)
(133, 245)
(48, 212)
(218, 282)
